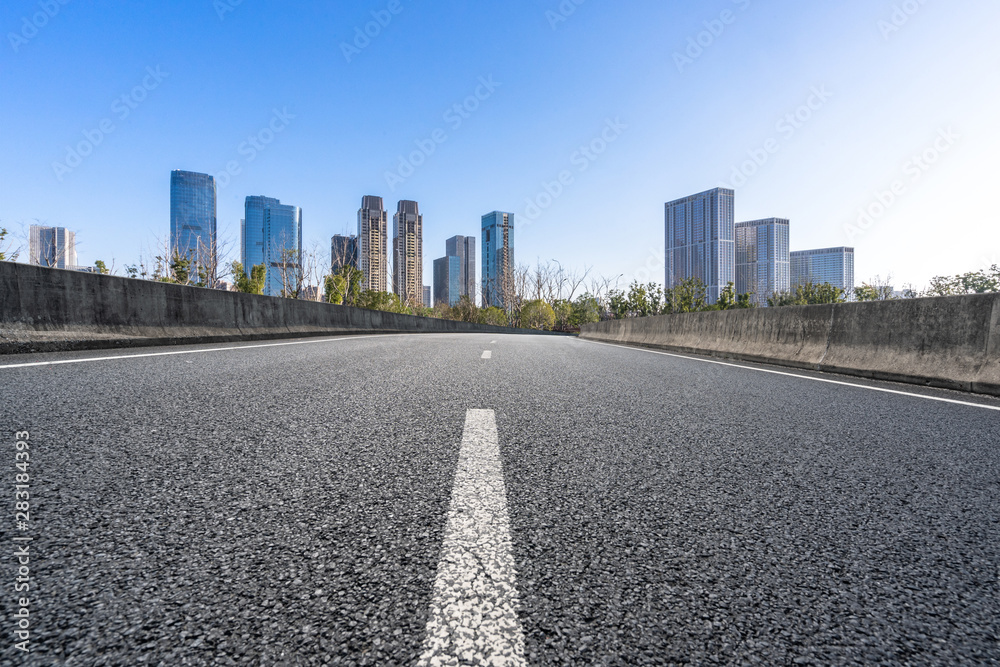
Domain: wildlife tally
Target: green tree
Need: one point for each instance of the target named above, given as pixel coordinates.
(466, 310)
(982, 282)
(101, 267)
(645, 300)
(252, 284)
(618, 304)
(173, 269)
(493, 316)
(384, 301)
(745, 300)
(537, 315)
(344, 287)
(807, 294)
(974, 282)
(688, 296)
(873, 293)
(730, 300)
(586, 309)
(563, 310)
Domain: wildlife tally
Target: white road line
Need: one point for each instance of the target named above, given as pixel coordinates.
(60, 362)
(474, 612)
(492, 341)
(487, 355)
(801, 377)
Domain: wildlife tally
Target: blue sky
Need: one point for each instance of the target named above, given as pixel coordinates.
(869, 84)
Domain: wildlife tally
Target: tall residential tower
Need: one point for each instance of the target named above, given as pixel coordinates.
(408, 254)
(762, 259)
(701, 241)
(373, 261)
(826, 265)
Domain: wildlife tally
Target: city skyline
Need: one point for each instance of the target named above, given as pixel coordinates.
(866, 139)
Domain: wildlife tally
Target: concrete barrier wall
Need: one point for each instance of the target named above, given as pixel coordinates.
(950, 342)
(44, 309)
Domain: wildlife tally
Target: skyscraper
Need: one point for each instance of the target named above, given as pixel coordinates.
(701, 240)
(498, 258)
(193, 221)
(447, 283)
(343, 252)
(427, 296)
(762, 259)
(408, 253)
(825, 265)
(54, 247)
(373, 223)
(272, 236)
(464, 247)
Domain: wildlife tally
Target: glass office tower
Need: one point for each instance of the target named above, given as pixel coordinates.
(464, 247)
(498, 258)
(447, 281)
(701, 241)
(762, 259)
(825, 265)
(54, 247)
(343, 252)
(272, 236)
(193, 222)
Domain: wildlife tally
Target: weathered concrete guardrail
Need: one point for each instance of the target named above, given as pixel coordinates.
(951, 342)
(44, 309)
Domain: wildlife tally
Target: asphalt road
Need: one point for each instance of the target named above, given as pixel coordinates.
(287, 504)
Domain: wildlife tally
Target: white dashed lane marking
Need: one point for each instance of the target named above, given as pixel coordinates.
(487, 355)
(474, 611)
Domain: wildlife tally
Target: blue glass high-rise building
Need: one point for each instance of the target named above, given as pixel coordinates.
(464, 247)
(272, 236)
(447, 281)
(701, 241)
(762, 259)
(825, 265)
(343, 252)
(498, 258)
(193, 221)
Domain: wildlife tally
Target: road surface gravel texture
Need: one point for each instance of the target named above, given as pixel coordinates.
(287, 504)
